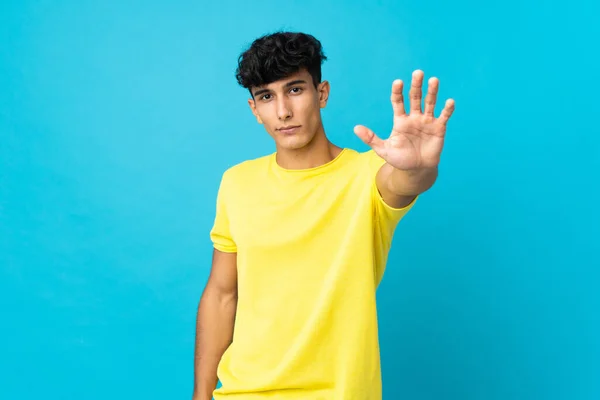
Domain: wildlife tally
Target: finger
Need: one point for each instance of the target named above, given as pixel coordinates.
(430, 99)
(398, 98)
(447, 112)
(415, 92)
(369, 137)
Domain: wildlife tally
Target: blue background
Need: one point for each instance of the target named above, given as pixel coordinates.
(118, 118)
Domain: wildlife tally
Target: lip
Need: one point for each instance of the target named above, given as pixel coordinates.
(289, 129)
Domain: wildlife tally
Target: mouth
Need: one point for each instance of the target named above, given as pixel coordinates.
(286, 130)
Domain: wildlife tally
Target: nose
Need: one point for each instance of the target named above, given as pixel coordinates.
(284, 111)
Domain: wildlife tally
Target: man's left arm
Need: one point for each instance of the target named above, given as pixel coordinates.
(413, 150)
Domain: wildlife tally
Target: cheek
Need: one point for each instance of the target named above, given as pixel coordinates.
(269, 118)
(310, 111)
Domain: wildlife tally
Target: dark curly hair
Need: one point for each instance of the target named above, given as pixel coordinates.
(278, 55)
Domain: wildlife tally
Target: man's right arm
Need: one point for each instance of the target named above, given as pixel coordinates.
(215, 321)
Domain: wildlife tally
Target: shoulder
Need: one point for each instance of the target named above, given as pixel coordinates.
(366, 160)
(372, 158)
(246, 170)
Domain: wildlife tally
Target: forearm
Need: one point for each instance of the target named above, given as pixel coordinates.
(214, 333)
(409, 183)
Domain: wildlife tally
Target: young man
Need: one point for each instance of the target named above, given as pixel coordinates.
(301, 236)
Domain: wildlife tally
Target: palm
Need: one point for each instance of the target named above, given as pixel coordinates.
(417, 138)
(415, 142)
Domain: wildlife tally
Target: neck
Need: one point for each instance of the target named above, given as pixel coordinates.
(317, 152)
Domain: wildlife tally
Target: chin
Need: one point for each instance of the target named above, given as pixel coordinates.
(295, 142)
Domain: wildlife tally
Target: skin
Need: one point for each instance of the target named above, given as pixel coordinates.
(412, 153)
(214, 323)
(295, 101)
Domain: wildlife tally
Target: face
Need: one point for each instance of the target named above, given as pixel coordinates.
(290, 109)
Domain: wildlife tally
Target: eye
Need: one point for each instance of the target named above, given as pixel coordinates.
(265, 97)
(296, 90)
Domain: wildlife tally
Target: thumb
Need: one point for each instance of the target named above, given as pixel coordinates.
(368, 137)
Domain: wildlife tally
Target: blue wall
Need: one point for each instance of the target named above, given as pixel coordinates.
(118, 118)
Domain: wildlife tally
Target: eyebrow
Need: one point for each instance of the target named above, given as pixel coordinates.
(287, 85)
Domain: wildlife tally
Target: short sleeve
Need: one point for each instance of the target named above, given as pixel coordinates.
(220, 233)
(385, 217)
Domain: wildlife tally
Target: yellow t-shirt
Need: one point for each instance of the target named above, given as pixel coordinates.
(311, 247)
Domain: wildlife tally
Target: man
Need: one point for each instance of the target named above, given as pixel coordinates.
(301, 236)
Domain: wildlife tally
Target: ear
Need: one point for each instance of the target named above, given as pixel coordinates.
(323, 90)
(252, 105)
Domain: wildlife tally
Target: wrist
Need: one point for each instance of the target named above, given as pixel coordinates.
(411, 182)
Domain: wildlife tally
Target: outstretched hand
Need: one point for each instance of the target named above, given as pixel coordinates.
(417, 138)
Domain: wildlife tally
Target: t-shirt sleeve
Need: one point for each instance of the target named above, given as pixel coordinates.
(220, 233)
(385, 217)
